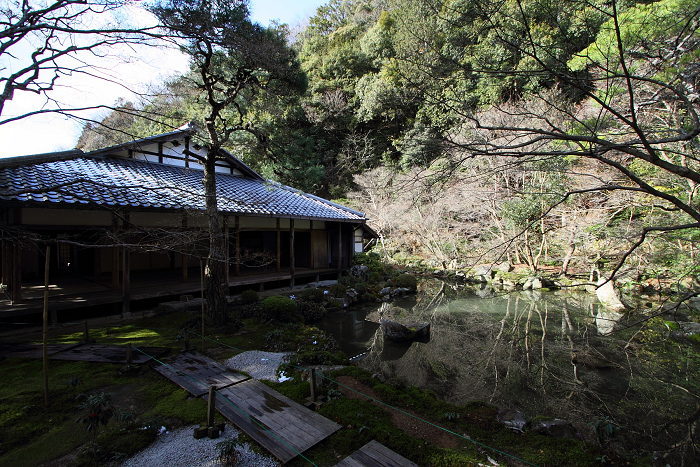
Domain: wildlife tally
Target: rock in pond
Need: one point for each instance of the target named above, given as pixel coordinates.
(512, 419)
(556, 428)
(398, 332)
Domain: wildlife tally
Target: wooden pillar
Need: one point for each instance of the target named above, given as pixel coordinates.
(97, 262)
(16, 272)
(115, 267)
(311, 245)
(291, 251)
(6, 263)
(237, 229)
(126, 280)
(312, 384)
(185, 252)
(227, 248)
(340, 246)
(211, 406)
(45, 356)
(279, 246)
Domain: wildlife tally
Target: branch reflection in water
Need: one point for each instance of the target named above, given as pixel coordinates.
(555, 354)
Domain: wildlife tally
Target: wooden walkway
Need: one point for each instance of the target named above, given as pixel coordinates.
(279, 424)
(374, 454)
(85, 352)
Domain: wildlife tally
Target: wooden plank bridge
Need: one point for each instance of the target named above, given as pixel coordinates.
(374, 454)
(280, 425)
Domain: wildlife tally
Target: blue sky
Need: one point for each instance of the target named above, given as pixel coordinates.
(54, 132)
(291, 12)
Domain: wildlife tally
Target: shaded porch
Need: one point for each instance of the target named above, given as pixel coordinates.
(145, 288)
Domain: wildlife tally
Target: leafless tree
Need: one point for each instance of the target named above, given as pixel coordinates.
(44, 43)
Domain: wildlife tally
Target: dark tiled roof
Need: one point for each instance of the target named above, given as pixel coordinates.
(143, 185)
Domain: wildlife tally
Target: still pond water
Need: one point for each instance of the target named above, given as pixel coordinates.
(555, 354)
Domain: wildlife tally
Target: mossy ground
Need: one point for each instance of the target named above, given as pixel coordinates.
(34, 435)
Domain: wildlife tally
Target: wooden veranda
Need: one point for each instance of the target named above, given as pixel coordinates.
(75, 293)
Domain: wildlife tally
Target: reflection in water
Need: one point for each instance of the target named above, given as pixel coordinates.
(543, 353)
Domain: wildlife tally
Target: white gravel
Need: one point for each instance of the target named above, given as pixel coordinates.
(259, 365)
(178, 448)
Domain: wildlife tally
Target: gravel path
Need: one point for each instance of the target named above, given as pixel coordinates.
(259, 365)
(178, 448)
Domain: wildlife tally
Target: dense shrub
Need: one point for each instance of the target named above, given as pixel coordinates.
(361, 289)
(311, 311)
(371, 260)
(249, 296)
(374, 278)
(312, 295)
(338, 291)
(280, 308)
(407, 281)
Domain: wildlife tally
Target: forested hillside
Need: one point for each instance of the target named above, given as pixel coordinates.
(552, 133)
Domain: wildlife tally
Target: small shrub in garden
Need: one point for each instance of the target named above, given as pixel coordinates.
(228, 452)
(311, 311)
(338, 291)
(407, 281)
(312, 295)
(371, 260)
(249, 296)
(280, 308)
(374, 278)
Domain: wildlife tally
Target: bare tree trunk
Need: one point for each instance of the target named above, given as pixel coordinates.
(570, 252)
(215, 270)
(528, 252)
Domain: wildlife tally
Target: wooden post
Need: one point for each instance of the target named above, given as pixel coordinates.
(86, 333)
(211, 407)
(45, 353)
(185, 252)
(16, 286)
(237, 229)
(312, 258)
(340, 246)
(279, 246)
(129, 354)
(115, 267)
(227, 247)
(185, 265)
(126, 274)
(201, 274)
(312, 384)
(291, 251)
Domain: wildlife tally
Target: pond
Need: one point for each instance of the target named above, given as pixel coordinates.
(555, 354)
